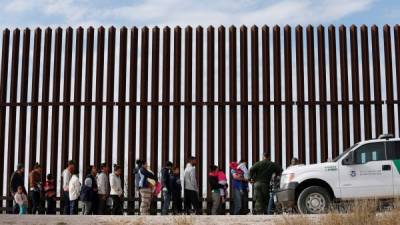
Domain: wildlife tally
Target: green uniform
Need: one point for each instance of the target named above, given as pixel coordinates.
(261, 173)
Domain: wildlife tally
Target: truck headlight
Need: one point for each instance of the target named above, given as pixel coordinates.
(286, 179)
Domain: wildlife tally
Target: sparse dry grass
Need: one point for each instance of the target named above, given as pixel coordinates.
(368, 212)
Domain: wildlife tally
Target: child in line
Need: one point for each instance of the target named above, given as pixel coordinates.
(21, 199)
(176, 191)
(50, 194)
(224, 182)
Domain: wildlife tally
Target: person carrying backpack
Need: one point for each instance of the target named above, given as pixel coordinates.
(89, 191)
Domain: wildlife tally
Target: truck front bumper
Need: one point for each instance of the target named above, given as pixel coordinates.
(287, 195)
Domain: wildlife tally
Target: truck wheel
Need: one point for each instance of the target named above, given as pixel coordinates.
(314, 200)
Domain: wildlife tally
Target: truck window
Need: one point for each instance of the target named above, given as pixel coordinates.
(393, 150)
(370, 152)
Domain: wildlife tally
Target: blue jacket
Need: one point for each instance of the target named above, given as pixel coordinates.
(88, 187)
(144, 174)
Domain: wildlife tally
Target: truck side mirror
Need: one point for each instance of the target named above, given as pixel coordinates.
(348, 160)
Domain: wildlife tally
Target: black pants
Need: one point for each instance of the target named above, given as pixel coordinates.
(66, 203)
(192, 199)
(102, 205)
(176, 204)
(117, 205)
(51, 206)
(95, 204)
(35, 198)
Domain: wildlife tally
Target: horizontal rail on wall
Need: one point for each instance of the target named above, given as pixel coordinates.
(260, 103)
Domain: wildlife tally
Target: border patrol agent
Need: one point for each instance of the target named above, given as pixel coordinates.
(260, 175)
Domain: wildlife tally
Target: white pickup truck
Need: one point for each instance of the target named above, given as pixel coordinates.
(367, 170)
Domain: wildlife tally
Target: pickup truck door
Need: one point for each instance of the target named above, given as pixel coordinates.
(371, 175)
(393, 154)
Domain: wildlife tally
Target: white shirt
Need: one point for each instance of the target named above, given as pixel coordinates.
(189, 178)
(103, 184)
(21, 199)
(115, 184)
(74, 188)
(66, 178)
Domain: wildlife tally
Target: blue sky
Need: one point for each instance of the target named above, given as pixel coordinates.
(31, 13)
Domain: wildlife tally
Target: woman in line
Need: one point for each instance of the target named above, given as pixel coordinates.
(146, 187)
(116, 191)
(216, 188)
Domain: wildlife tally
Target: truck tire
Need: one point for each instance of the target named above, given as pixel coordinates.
(314, 200)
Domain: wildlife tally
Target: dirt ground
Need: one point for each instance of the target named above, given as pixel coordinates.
(139, 220)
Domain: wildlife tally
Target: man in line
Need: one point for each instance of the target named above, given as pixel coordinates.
(17, 179)
(66, 177)
(166, 173)
(103, 187)
(191, 187)
(260, 175)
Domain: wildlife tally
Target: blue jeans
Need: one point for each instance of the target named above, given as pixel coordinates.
(73, 207)
(237, 201)
(167, 200)
(271, 204)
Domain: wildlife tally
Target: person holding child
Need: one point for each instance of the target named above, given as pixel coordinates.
(240, 186)
(217, 189)
(17, 180)
(147, 181)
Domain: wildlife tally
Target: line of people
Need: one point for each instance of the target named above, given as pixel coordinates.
(101, 192)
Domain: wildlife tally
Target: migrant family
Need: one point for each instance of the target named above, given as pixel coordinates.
(101, 191)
